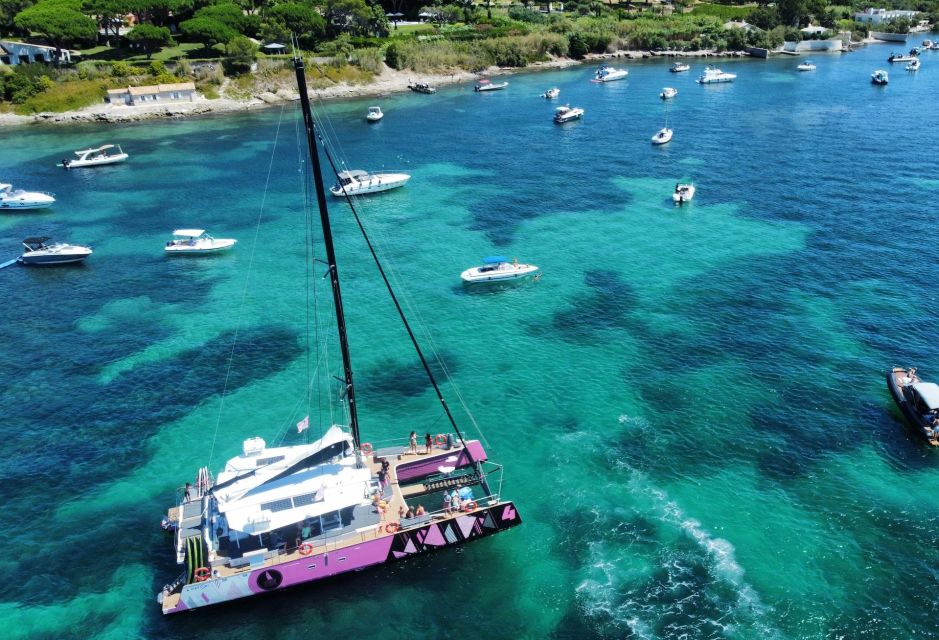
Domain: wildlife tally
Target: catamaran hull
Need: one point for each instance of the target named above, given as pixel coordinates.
(381, 550)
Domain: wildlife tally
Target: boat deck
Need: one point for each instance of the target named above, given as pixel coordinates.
(363, 522)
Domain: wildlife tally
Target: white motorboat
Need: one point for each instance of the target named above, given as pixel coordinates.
(932, 46)
(567, 113)
(668, 93)
(713, 75)
(358, 182)
(106, 154)
(901, 57)
(374, 114)
(663, 136)
(498, 268)
(196, 241)
(684, 192)
(607, 73)
(41, 253)
(880, 77)
(806, 66)
(551, 94)
(927, 44)
(913, 66)
(19, 199)
(421, 87)
(487, 85)
(679, 67)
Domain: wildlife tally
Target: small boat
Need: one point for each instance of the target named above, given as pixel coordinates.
(19, 199)
(374, 114)
(567, 113)
(679, 67)
(358, 182)
(918, 400)
(668, 93)
(713, 75)
(487, 85)
(901, 57)
(607, 73)
(551, 94)
(421, 87)
(106, 154)
(196, 241)
(880, 77)
(806, 66)
(40, 253)
(683, 193)
(497, 268)
(927, 44)
(913, 66)
(663, 136)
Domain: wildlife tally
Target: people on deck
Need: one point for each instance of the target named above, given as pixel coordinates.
(455, 502)
(428, 443)
(382, 479)
(420, 510)
(412, 442)
(187, 494)
(446, 503)
(409, 513)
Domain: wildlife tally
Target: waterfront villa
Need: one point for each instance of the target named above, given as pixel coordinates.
(881, 16)
(158, 93)
(14, 53)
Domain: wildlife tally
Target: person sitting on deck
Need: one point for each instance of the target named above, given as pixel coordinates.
(409, 513)
(455, 502)
(420, 511)
(446, 503)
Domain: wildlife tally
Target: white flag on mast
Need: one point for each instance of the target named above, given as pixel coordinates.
(303, 425)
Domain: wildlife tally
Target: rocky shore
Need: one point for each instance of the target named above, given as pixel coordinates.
(389, 81)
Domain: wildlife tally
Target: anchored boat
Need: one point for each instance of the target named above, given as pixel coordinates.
(497, 268)
(918, 400)
(358, 182)
(21, 200)
(107, 154)
(280, 516)
(196, 241)
(40, 252)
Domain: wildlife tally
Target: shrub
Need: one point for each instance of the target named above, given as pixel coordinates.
(392, 58)
(577, 46)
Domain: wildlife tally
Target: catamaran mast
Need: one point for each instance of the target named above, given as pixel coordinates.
(330, 252)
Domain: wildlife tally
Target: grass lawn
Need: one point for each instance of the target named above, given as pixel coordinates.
(190, 50)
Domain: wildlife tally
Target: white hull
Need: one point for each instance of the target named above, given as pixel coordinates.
(66, 254)
(679, 67)
(663, 136)
(501, 272)
(668, 93)
(373, 183)
(612, 76)
(21, 200)
(96, 162)
(806, 67)
(567, 114)
(183, 247)
(684, 193)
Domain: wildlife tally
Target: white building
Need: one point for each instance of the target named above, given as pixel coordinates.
(880, 16)
(153, 94)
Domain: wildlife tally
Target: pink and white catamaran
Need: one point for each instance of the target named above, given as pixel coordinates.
(277, 517)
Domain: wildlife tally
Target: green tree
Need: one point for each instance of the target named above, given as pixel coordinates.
(109, 14)
(160, 12)
(150, 38)
(292, 17)
(241, 54)
(736, 39)
(207, 31)
(8, 11)
(791, 11)
(765, 18)
(346, 16)
(232, 16)
(58, 21)
(577, 46)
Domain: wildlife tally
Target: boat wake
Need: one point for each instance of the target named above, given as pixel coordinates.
(651, 571)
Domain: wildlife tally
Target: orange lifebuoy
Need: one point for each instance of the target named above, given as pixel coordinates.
(367, 448)
(470, 506)
(305, 549)
(391, 527)
(201, 574)
(440, 439)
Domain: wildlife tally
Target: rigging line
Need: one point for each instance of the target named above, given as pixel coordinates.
(407, 326)
(244, 292)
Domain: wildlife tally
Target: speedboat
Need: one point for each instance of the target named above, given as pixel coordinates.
(421, 87)
(901, 57)
(374, 114)
(668, 93)
(487, 85)
(567, 113)
(806, 66)
(498, 268)
(913, 66)
(678, 67)
(19, 199)
(196, 241)
(683, 193)
(551, 94)
(38, 252)
(918, 400)
(358, 182)
(107, 154)
(608, 74)
(927, 44)
(713, 75)
(663, 136)
(880, 77)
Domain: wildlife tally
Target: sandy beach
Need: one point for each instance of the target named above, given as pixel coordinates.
(389, 81)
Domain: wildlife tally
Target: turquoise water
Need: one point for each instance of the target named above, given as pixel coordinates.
(689, 403)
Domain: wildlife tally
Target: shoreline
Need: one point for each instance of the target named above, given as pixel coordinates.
(388, 82)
